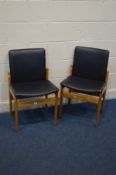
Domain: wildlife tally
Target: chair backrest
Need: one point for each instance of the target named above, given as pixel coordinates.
(90, 63)
(27, 65)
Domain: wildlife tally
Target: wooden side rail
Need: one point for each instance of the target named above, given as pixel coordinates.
(36, 102)
(81, 97)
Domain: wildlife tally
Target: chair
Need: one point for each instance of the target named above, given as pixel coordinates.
(28, 81)
(88, 79)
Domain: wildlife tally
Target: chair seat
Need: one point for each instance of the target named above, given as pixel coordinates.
(81, 85)
(33, 89)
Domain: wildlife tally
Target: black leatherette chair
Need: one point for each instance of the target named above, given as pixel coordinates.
(88, 79)
(28, 81)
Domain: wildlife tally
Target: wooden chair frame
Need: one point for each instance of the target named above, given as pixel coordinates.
(99, 100)
(29, 103)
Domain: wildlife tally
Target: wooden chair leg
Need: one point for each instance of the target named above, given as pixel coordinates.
(10, 103)
(56, 110)
(46, 106)
(69, 100)
(61, 101)
(98, 113)
(16, 116)
(103, 102)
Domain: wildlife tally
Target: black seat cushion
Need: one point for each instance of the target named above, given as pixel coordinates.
(90, 63)
(33, 89)
(27, 65)
(82, 85)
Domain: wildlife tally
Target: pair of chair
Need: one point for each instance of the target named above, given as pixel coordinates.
(29, 84)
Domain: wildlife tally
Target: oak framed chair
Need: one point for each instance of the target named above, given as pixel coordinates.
(28, 81)
(88, 78)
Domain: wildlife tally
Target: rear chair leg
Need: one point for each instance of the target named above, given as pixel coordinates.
(46, 106)
(56, 110)
(10, 103)
(103, 102)
(16, 115)
(61, 101)
(98, 113)
(69, 100)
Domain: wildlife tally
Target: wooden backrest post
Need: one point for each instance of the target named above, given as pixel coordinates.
(9, 79)
(47, 72)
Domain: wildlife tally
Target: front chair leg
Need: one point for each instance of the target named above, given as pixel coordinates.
(16, 115)
(98, 112)
(56, 110)
(61, 100)
(10, 103)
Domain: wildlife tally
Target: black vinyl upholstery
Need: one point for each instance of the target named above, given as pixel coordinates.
(27, 65)
(82, 85)
(90, 63)
(34, 89)
(27, 69)
(89, 71)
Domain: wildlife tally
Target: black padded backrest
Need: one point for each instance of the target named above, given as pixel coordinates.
(27, 65)
(90, 63)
